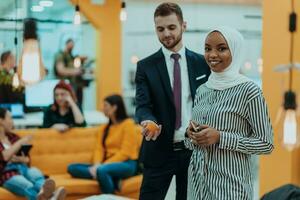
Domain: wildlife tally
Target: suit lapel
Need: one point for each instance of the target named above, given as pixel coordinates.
(163, 73)
(191, 72)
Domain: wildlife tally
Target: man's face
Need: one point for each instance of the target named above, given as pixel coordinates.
(12, 62)
(169, 30)
(70, 46)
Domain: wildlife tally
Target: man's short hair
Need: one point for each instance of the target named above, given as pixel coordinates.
(166, 9)
(4, 56)
(69, 40)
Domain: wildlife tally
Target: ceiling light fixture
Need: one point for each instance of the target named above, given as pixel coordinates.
(123, 13)
(290, 135)
(77, 17)
(37, 8)
(46, 3)
(31, 69)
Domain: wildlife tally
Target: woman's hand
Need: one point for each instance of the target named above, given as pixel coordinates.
(205, 137)
(25, 140)
(60, 127)
(69, 99)
(93, 170)
(20, 159)
(78, 116)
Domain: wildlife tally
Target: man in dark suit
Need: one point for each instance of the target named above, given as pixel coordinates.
(166, 83)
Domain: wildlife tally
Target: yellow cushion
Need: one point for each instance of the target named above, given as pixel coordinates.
(131, 185)
(77, 186)
(53, 151)
(6, 195)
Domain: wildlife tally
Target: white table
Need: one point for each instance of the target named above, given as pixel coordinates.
(92, 118)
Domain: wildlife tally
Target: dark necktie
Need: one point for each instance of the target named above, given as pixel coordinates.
(177, 89)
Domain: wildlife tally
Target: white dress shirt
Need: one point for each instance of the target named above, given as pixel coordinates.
(186, 97)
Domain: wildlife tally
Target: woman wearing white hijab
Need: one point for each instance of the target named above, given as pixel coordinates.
(231, 116)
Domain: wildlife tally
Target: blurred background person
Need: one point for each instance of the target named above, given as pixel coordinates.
(9, 93)
(64, 68)
(64, 113)
(117, 149)
(15, 173)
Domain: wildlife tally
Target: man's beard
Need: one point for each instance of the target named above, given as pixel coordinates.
(171, 46)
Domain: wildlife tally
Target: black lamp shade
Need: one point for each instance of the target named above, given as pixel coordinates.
(123, 5)
(30, 29)
(290, 100)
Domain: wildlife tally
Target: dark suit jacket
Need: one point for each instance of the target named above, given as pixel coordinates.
(154, 101)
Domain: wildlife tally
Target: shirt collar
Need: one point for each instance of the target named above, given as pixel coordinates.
(167, 53)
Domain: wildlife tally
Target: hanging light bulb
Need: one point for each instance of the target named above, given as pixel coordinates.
(290, 136)
(15, 81)
(77, 62)
(31, 68)
(123, 13)
(77, 17)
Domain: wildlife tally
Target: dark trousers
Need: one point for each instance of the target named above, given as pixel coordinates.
(156, 181)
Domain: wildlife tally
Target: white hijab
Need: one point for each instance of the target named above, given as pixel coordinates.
(230, 77)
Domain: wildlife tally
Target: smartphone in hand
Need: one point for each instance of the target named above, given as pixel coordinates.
(24, 150)
(195, 126)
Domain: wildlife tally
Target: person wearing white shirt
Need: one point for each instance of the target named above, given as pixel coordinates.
(166, 83)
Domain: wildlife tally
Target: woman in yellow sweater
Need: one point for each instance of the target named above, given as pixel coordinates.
(117, 148)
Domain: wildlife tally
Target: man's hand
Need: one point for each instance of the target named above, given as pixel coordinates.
(78, 71)
(150, 130)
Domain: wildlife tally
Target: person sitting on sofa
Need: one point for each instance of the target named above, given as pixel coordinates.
(117, 149)
(64, 113)
(15, 174)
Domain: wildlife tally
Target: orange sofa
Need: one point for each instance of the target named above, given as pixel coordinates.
(54, 151)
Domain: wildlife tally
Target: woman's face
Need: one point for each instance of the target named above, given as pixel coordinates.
(109, 110)
(60, 96)
(217, 53)
(7, 123)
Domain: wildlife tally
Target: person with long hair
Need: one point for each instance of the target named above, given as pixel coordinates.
(64, 113)
(15, 173)
(64, 68)
(117, 148)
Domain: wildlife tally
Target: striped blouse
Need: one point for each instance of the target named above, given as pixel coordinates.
(223, 171)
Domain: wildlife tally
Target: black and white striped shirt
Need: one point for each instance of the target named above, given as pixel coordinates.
(223, 171)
